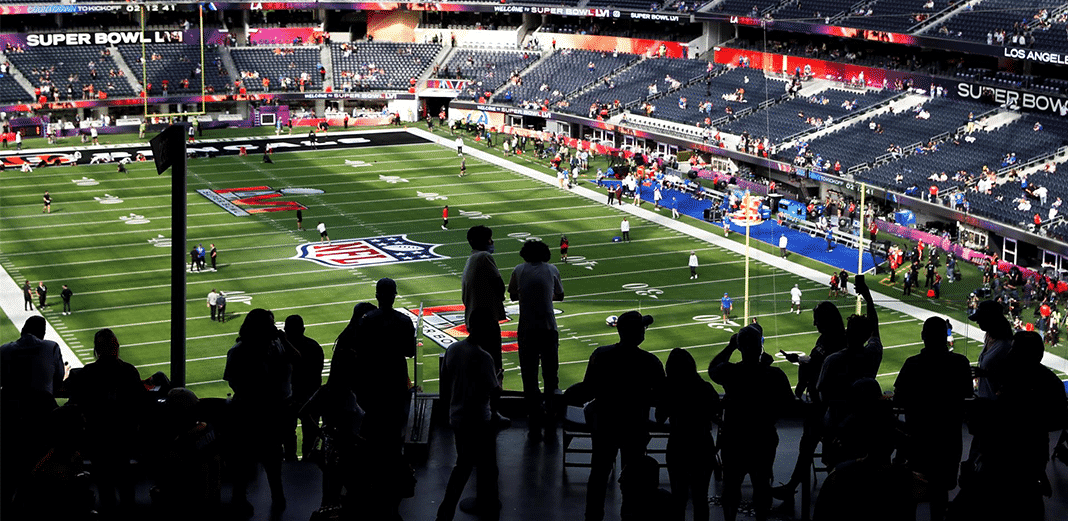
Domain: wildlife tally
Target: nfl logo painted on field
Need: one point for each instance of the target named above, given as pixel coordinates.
(373, 251)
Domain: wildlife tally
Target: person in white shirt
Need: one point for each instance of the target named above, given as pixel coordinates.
(460, 146)
(693, 265)
(212, 298)
(624, 229)
(795, 299)
(782, 245)
(323, 237)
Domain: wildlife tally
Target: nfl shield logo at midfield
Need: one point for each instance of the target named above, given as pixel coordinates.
(372, 251)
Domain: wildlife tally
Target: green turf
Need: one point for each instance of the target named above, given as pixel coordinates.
(121, 280)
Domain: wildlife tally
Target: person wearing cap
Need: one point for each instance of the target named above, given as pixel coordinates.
(692, 263)
(783, 241)
(536, 285)
(725, 307)
(795, 299)
(382, 386)
(624, 380)
(759, 394)
(110, 394)
(482, 292)
(931, 388)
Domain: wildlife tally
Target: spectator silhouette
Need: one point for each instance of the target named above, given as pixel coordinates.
(639, 483)
(259, 369)
(931, 387)
(31, 371)
(861, 358)
(828, 321)
(866, 485)
(756, 394)
(469, 376)
(536, 285)
(189, 467)
(1013, 432)
(335, 405)
(56, 487)
(307, 377)
(382, 390)
(352, 337)
(482, 289)
(989, 315)
(111, 395)
(692, 405)
(624, 381)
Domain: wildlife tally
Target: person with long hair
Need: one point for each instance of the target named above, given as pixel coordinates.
(692, 405)
(259, 369)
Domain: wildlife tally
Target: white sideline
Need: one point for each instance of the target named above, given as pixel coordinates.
(960, 328)
(12, 304)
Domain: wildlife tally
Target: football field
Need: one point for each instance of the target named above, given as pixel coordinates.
(107, 237)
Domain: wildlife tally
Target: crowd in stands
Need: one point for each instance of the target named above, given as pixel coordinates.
(190, 446)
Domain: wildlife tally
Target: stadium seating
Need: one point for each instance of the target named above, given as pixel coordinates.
(564, 72)
(815, 11)
(70, 65)
(277, 64)
(489, 68)
(892, 15)
(636, 5)
(993, 16)
(784, 119)
(752, 80)
(11, 91)
(856, 144)
(176, 62)
(632, 84)
(395, 64)
(745, 7)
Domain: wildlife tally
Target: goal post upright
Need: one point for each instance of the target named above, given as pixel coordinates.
(203, 108)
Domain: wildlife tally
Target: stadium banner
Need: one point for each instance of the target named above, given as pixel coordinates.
(873, 77)
(286, 36)
(208, 98)
(20, 42)
(947, 42)
(83, 155)
(652, 48)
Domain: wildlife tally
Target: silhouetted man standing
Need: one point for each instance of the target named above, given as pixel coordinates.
(307, 378)
(482, 292)
(932, 387)
(536, 285)
(624, 380)
(758, 394)
(31, 370)
(382, 390)
(469, 376)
